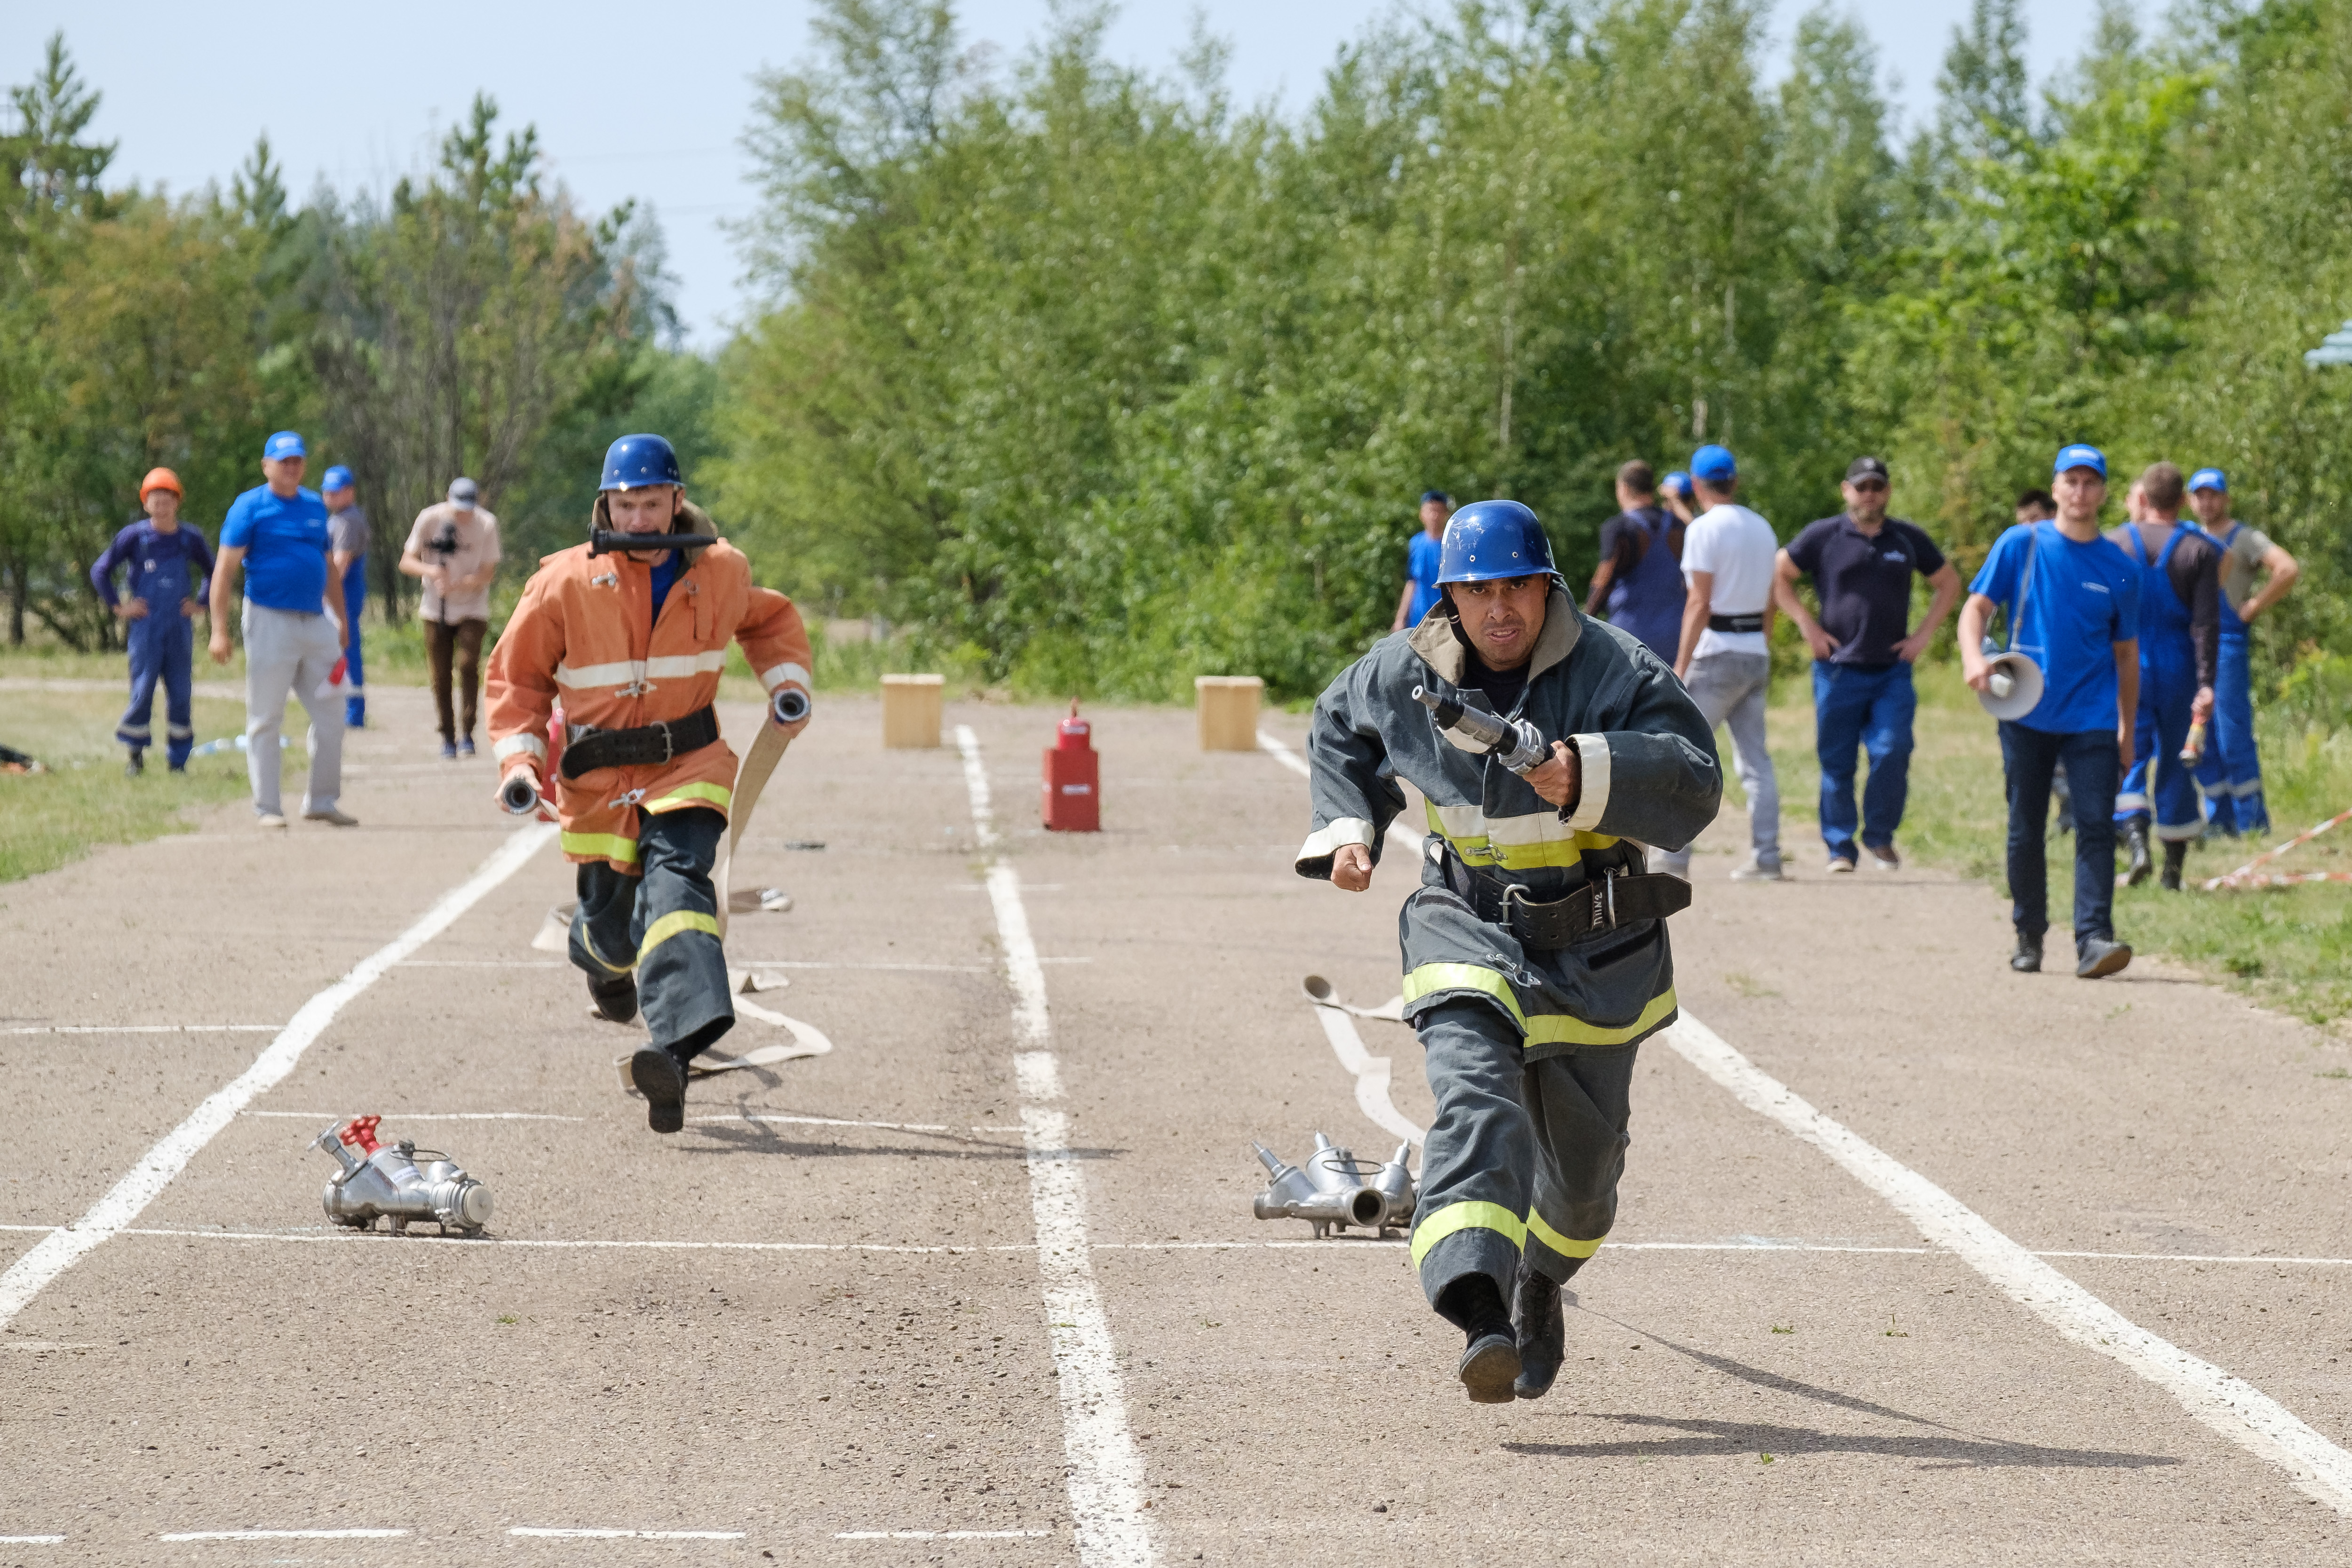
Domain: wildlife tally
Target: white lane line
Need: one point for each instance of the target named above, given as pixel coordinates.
(828, 1122)
(284, 1535)
(61, 1250)
(529, 1531)
(142, 1028)
(2227, 1403)
(1371, 1076)
(1281, 753)
(935, 1534)
(484, 963)
(915, 968)
(422, 1115)
(32, 1540)
(1105, 1473)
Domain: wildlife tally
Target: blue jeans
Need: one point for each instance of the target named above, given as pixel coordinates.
(1870, 707)
(2093, 765)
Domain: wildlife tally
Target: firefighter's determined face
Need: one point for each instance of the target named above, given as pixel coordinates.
(648, 510)
(1502, 619)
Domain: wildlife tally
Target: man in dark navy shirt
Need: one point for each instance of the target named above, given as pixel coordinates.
(1862, 563)
(1641, 577)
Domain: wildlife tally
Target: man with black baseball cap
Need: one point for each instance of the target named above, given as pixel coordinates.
(1862, 563)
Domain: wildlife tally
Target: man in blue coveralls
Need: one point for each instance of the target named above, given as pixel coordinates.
(158, 551)
(1420, 560)
(2230, 774)
(347, 545)
(2071, 600)
(1640, 570)
(2179, 648)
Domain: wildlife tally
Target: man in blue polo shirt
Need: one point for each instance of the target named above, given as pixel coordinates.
(1420, 560)
(1862, 562)
(277, 533)
(2071, 600)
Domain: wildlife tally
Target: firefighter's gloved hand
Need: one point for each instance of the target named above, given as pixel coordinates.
(1351, 867)
(1560, 781)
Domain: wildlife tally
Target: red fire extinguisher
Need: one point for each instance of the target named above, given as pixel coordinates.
(1073, 780)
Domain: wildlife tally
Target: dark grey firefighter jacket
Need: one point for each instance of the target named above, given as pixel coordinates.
(1651, 778)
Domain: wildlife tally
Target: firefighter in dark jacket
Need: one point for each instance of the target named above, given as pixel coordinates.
(1536, 957)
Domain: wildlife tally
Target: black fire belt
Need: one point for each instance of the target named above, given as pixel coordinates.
(1600, 906)
(1754, 623)
(586, 748)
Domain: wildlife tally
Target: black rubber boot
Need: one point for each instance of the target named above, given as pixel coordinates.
(2027, 959)
(2136, 835)
(661, 1079)
(1490, 1360)
(1543, 1334)
(2176, 855)
(616, 999)
(136, 765)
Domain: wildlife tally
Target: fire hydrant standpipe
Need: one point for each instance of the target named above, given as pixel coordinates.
(398, 1182)
(1073, 800)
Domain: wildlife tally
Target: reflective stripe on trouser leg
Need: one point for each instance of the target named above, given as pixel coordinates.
(178, 693)
(600, 940)
(146, 667)
(681, 968)
(1478, 1163)
(1580, 1104)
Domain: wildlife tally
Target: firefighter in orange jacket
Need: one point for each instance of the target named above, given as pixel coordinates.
(631, 641)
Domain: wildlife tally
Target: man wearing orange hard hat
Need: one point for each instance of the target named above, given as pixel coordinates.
(157, 551)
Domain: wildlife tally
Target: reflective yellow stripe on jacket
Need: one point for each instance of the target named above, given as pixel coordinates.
(1476, 1214)
(1527, 843)
(1543, 1028)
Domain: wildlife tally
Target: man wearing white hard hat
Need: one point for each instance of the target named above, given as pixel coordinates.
(2066, 691)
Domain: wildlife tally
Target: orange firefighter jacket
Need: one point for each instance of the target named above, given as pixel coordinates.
(583, 635)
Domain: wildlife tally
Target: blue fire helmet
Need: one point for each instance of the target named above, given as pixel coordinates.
(633, 462)
(2210, 479)
(285, 443)
(1714, 464)
(338, 478)
(1677, 484)
(1491, 540)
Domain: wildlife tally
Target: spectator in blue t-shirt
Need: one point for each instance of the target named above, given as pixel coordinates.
(2071, 600)
(1862, 563)
(294, 634)
(1420, 560)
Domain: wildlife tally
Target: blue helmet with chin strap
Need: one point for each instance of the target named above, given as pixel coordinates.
(1491, 540)
(634, 462)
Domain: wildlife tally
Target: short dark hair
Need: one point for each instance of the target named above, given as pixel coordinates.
(2039, 500)
(2162, 485)
(1638, 476)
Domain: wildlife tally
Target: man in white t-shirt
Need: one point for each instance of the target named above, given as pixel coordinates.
(1724, 657)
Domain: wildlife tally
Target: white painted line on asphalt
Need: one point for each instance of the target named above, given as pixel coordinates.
(627, 1534)
(61, 1250)
(141, 1029)
(917, 968)
(1281, 753)
(938, 1534)
(1371, 1076)
(422, 1115)
(32, 1540)
(484, 963)
(284, 1535)
(828, 1122)
(2221, 1400)
(1105, 1473)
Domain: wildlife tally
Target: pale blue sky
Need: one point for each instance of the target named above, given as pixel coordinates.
(360, 93)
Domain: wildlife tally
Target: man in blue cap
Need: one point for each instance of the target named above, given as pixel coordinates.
(347, 539)
(277, 534)
(1420, 560)
(2229, 773)
(2071, 600)
(1724, 653)
(1534, 945)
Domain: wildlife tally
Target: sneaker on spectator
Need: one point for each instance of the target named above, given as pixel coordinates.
(449, 751)
(332, 817)
(267, 819)
(1757, 870)
(466, 747)
(1883, 857)
(1841, 867)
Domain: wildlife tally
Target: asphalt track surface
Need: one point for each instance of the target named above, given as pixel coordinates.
(817, 1326)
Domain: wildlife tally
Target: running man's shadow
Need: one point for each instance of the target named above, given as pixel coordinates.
(1942, 1446)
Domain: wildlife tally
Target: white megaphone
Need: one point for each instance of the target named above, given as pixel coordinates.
(2015, 687)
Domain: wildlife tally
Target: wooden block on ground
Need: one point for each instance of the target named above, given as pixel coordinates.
(910, 712)
(1227, 705)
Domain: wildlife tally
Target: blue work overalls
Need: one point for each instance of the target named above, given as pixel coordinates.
(2229, 773)
(2168, 690)
(1649, 601)
(354, 684)
(162, 642)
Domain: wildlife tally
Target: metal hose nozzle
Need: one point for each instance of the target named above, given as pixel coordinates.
(518, 796)
(790, 705)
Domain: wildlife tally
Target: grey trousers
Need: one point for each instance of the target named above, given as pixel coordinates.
(286, 652)
(1524, 1157)
(1730, 689)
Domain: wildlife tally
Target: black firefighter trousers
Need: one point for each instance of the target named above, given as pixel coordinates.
(664, 924)
(1524, 1158)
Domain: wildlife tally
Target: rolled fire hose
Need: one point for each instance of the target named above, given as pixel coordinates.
(790, 705)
